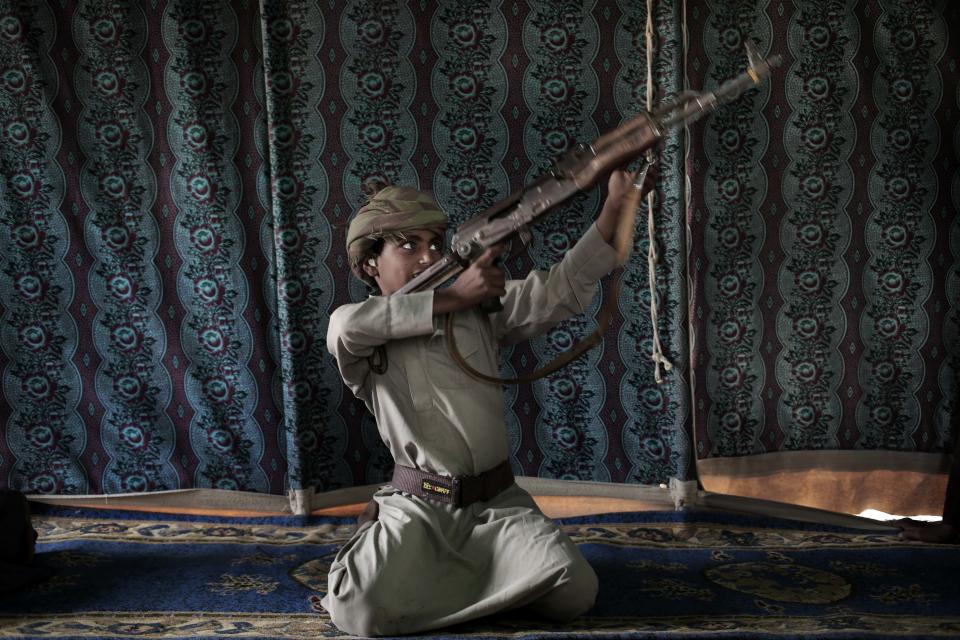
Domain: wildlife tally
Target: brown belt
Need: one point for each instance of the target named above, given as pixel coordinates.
(460, 491)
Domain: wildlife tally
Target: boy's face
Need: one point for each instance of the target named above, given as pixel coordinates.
(403, 260)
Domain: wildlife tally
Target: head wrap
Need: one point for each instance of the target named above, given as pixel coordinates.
(391, 210)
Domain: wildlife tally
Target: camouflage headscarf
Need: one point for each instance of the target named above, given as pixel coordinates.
(392, 210)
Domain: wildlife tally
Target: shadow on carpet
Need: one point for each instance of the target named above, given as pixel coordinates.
(672, 575)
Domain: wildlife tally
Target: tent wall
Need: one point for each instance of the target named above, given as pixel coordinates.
(178, 176)
(825, 282)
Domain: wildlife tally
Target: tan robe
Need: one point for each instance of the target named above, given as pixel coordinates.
(424, 564)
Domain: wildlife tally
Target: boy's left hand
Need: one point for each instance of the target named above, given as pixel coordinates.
(619, 184)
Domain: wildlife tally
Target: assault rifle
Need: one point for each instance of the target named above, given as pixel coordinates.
(579, 169)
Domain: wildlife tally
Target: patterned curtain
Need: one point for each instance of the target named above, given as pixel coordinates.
(177, 177)
(826, 240)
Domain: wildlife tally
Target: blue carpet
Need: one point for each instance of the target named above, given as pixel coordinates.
(671, 575)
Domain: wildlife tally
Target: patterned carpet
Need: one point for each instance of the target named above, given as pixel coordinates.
(676, 575)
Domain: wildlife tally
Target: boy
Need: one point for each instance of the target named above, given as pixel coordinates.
(452, 537)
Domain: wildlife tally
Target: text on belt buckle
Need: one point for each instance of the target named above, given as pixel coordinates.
(441, 490)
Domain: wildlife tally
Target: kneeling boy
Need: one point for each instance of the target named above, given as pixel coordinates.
(452, 537)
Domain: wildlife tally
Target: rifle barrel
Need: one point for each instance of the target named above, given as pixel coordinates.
(692, 107)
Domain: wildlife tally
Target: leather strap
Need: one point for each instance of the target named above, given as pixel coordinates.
(565, 358)
(460, 491)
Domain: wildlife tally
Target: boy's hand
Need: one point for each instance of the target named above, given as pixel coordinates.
(619, 184)
(482, 280)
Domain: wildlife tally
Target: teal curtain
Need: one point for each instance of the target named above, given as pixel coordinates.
(826, 309)
(177, 179)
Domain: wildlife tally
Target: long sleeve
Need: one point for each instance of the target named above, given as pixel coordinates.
(544, 298)
(356, 330)
(430, 414)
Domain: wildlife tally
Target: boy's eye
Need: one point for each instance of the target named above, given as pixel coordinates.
(435, 246)
(408, 245)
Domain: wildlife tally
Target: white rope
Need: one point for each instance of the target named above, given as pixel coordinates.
(656, 351)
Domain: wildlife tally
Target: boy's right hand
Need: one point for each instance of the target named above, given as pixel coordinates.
(482, 280)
